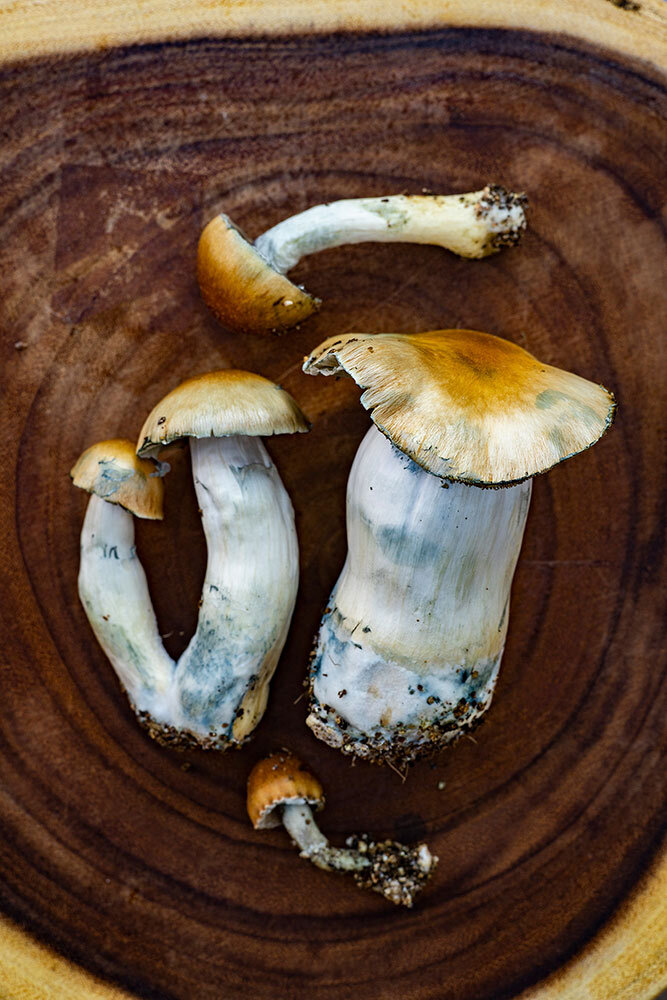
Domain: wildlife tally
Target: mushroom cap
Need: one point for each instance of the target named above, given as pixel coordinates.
(278, 780)
(220, 404)
(112, 471)
(469, 406)
(242, 288)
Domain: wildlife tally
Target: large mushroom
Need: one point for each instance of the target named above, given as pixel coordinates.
(216, 693)
(409, 648)
(282, 790)
(245, 285)
(221, 681)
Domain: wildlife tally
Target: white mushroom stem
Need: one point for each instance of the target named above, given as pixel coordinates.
(114, 593)
(410, 646)
(300, 823)
(249, 589)
(471, 225)
(217, 692)
(396, 871)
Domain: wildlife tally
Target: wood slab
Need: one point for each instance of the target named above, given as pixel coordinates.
(138, 864)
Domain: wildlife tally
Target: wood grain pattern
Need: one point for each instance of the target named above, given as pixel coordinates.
(31, 28)
(139, 863)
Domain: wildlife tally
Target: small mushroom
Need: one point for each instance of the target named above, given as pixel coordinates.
(409, 648)
(221, 682)
(245, 284)
(282, 790)
(112, 583)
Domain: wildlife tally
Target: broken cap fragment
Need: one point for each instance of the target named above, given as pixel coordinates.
(245, 284)
(469, 406)
(221, 404)
(111, 470)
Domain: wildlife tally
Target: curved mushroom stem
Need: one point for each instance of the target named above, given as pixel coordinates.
(396, 871)
(217, 692)
(249, 590)
(114, 593)
(410, 646)
(471, 225)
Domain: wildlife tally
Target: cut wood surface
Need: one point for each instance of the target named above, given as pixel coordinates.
(137, 865)
(38, 27)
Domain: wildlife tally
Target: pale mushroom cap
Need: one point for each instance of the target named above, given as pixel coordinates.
(278, 780)
(112, 471)
(469, 406)
(242, 288)
(221, 404)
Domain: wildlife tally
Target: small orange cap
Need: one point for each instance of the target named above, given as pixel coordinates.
(112, 471)
(277, 780)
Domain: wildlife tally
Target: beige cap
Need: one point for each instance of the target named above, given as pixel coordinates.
(220, 404)
(468, 406)
(242, 288)
(276, 781)
(112, 471)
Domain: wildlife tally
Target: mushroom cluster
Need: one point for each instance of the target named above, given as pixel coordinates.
(409, 647)
(216, 693)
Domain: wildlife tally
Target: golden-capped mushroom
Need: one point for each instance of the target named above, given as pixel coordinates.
(409, 648)
(112, 583)
(282, 790)
(221, 682)
(244, 284)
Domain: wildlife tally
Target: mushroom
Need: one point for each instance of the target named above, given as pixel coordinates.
(409, 648)
(221, 681)
(112, 582)
(282, 790)
(245, 284)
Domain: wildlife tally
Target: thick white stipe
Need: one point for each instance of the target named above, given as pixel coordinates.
(250, 586)
(417, 621)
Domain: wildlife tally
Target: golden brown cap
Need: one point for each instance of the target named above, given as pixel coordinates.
(275, 781)
(219, 404)
(111, 470)
(242, 288)
(466, 405)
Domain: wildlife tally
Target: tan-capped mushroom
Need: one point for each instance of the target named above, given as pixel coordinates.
(221, 681)
(409, 648)
(244, 284)
(282, 790)
(112, 583)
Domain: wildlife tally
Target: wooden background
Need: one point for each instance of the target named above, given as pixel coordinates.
(139, 863)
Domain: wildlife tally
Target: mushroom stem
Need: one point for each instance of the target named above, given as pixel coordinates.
(471, 225)
(410, 646)
(300, 823)
(114, 593)
(394, 870)
(249, 589)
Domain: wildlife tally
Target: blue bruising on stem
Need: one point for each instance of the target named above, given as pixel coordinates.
(331, 651)
(210, 684)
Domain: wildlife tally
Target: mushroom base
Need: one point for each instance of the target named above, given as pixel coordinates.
(399, 746)
(186, 739)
